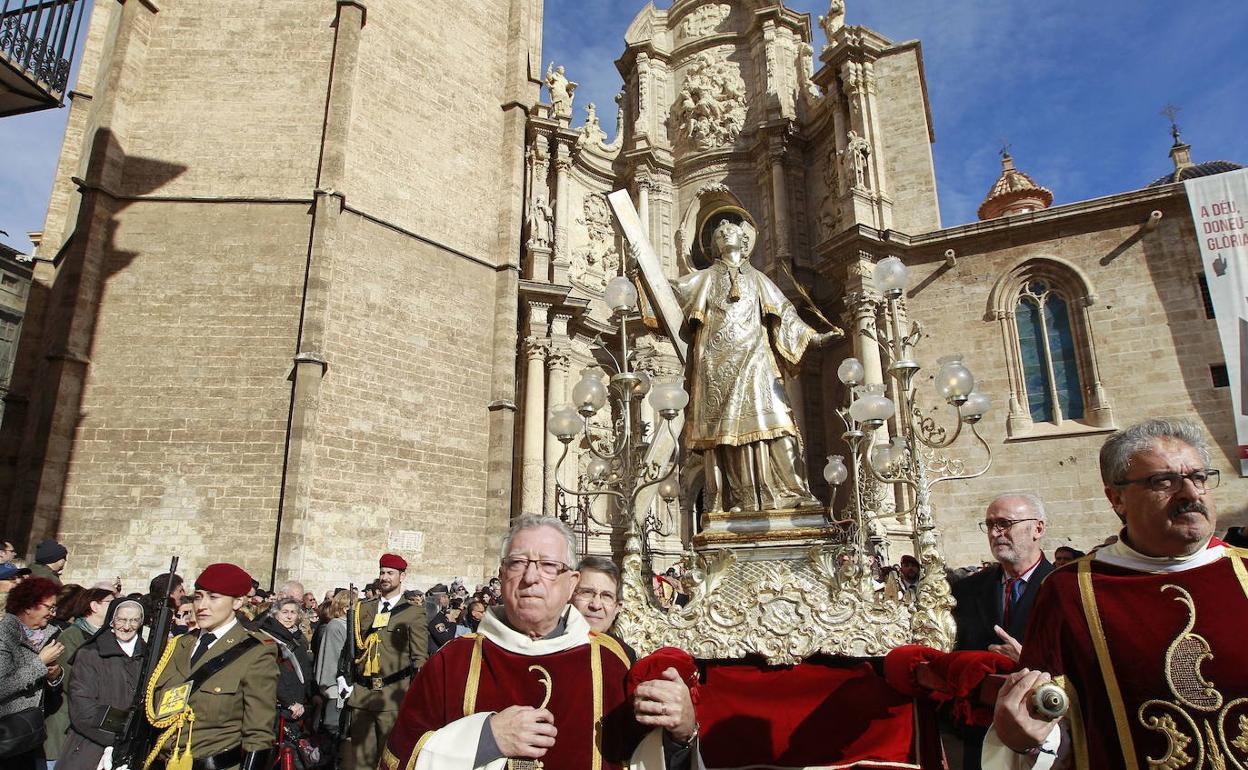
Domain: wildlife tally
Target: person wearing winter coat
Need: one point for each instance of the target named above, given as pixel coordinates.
(85, 611)
(333, 640)
(295, 662)
(105, 674)
(28, 665)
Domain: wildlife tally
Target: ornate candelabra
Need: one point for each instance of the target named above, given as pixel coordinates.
(911, 461)
(618, 470)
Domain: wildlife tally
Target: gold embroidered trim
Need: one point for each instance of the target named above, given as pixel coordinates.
(595, 667)
(388, 760)
(611, 644)
(1088, 596)
(474, 677)
(1238, 555)
(1074, 717)
(420, 744)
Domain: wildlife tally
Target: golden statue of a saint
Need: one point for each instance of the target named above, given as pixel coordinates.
(743, 333)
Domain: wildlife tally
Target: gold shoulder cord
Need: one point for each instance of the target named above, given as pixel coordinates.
(171, 725)
(369, 659)
(1097, 632)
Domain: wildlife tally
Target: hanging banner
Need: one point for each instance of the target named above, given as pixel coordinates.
(1220, 210)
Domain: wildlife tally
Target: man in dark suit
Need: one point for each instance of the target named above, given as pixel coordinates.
(993, 604)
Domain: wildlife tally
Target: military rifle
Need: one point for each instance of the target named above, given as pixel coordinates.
(137, 732)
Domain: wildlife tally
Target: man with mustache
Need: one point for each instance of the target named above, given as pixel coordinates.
(535, 687)
(994, 603)
(1146, 634)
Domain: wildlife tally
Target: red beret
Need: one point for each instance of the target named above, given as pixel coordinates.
(228, 579)
(393, 561)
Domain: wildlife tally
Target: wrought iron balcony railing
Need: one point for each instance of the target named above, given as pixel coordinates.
(37, 42)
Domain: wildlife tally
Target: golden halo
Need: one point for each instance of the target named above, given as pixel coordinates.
(708, 220)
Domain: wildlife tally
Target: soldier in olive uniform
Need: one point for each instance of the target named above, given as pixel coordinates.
(390, 643)
(214, 697)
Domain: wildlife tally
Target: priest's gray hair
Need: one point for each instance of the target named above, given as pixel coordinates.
(1119, 448)
(534, 521)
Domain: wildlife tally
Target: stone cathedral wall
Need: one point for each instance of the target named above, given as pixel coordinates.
(216, 118)
(1154, 346)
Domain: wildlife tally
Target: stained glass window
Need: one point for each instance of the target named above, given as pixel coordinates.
(1050, 357)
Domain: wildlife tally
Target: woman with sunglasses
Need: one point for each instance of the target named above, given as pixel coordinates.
(105, 676)
(28, 664)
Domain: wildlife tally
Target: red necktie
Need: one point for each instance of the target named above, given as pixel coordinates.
(1010, 598)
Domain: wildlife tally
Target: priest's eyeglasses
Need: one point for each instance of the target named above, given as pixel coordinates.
(1000, 525)
(1203, 479)
(518, 565)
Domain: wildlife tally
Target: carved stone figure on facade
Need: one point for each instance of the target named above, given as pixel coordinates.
(704, 20)
(857, 149)
(599, 260)
(710, 108)
(591, 132)
(805, 71)
(833, 20)
(560, 90)
(541, 217)
(742, 331)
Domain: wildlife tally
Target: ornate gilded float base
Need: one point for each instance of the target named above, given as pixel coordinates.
(744, 528)
(786, 608)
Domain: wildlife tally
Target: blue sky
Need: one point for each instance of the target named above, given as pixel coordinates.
(1075, 86)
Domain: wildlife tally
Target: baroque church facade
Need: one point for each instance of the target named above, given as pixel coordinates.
(300, 325)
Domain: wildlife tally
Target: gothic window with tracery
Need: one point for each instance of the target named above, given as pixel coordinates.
(1044, 309)
(1050, 358)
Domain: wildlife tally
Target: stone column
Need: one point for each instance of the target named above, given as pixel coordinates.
(556, 395)
(780, 196)
(533, 464)
(563, 257)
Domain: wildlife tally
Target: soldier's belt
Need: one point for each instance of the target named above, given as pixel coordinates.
(230, 758)
(378, 682)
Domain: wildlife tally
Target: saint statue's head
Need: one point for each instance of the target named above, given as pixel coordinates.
(725, 232)
(730, 242)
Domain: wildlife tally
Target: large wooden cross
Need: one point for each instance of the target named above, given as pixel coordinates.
(662, 448)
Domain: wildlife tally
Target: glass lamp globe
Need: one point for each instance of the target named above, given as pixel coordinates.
(835, 472)
(851, 372)
(564, 423)
(596, 469)
(621, 295)
(881, 457)
(889, 275)
(976, 406)
(668, 398)
(669, 489)
(590, 394)
(954, 382)
(872, 406)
